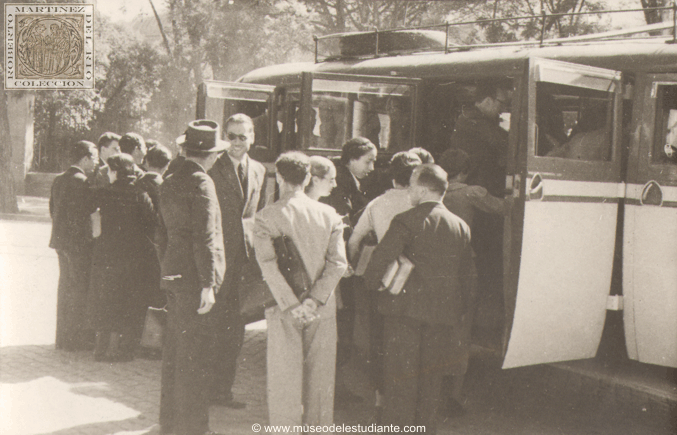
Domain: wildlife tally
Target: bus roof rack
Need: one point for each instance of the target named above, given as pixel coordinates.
(390, 42)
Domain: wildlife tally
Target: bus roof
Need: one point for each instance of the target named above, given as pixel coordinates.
(632, 55)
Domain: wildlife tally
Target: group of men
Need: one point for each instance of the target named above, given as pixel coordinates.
(76, 225)
(209, 206)
(239, 189)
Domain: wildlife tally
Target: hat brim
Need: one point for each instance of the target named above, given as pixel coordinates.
(219, 146)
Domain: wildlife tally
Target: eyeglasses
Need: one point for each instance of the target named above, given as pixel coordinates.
(233, 136)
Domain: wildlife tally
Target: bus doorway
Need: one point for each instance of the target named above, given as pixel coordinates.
(566, 179)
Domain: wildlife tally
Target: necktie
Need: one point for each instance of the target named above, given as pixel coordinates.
(243, 177)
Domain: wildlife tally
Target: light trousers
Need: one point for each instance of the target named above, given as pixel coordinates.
(301, 368)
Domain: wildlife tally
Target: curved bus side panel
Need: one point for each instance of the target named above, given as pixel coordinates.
(570, 217)
(650, 232)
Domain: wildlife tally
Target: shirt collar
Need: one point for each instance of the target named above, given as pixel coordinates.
(357, 182)
(77, 168)
(237, 163)
(431, 200)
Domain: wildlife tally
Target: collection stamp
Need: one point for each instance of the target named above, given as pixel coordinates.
(49, 46)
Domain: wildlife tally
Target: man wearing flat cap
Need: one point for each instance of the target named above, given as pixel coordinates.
(192, 271)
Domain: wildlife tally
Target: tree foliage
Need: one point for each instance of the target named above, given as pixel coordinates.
(150, 86)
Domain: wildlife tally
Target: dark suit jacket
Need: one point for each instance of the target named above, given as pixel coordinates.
(70, 206)
(438, 243)
(190, 211)
(238, 209)
(174, 165)
(150, 183)
(99, 179)
(346, 198)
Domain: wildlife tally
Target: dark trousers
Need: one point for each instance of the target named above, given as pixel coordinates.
(345, 319)
(488, 246)
(184, 406)
(416, 357)
(72, 325)
(225, 348)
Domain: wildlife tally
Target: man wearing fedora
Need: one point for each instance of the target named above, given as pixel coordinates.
(192, 272)
(240, 187)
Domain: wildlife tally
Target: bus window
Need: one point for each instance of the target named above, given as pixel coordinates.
(381, 112)
(220, 100)
(665, 143)
(573, 123)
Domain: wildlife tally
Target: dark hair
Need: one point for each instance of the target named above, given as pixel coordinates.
(106, 139)
(402, 165)
(131, 141)
(355, 148)
(455, 161)
(123, 165)
(158, 156)
(150, 144)
(486, 89)
(80, 150)
(433, 177)
(423, 154)
(293, 167)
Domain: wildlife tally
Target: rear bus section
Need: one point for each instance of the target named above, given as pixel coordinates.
(591, 165)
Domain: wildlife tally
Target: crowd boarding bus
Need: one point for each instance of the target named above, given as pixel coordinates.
(578, 222)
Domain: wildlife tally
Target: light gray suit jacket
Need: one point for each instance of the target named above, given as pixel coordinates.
(317, 232)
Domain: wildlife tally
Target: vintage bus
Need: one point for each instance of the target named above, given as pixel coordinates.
(580, 221)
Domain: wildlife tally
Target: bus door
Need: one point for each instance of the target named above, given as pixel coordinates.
(567, 188)
(219, 100)
(650, 230)
(338, 107)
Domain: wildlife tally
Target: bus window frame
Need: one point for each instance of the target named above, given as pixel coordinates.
(272, 91)
(572, 169)
(655, 170)
(307, 78)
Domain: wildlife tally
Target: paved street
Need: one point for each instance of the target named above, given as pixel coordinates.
(43, 391)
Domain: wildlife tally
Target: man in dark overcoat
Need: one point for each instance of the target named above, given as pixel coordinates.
(425, 325)
(108, 145)
(478, 132)
(192, 271)
(240, 187)
(70, 206)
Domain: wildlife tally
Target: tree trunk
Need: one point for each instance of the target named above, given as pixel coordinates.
(340, 16)
(652, 16)
(8, 202)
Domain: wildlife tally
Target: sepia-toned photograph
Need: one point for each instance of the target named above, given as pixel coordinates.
(338, 216)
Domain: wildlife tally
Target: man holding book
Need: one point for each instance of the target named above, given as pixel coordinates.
(424, 326)
(301, 353)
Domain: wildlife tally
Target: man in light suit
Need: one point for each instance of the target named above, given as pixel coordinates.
(240, 187)
(192, 271)
(301, 354)
(425, 328)
(70, 206)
